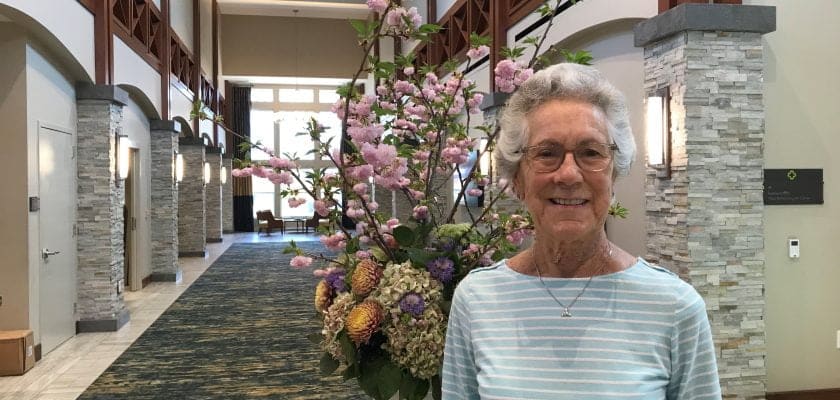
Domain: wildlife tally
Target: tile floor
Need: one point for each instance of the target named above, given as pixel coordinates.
(67, 371)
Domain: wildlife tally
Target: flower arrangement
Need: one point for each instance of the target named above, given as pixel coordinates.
(383, 298)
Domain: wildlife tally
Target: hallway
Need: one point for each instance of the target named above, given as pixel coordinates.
(67, 371)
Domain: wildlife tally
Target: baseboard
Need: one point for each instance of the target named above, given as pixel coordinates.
(228, 231)
(103, 325)
(214, 240)
(166, 276)
(38, 352)
(192, 254)
(146, 281)
(819, 394)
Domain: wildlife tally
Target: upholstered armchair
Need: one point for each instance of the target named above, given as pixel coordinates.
(267, 222)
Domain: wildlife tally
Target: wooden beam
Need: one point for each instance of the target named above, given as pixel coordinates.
(165, 60)
(215, 71)
(498, 32)
(103, 43)
(196, 79)
(90, 5)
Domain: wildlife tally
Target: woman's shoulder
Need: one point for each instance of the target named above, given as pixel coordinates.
(656, 277)
(489, 276)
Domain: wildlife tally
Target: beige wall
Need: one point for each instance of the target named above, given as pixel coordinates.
(131, 69)
(181, 17)
(14, 216)
(801, 87)
(50, 99)
(266, 46)
(136, 126)
(206, 12)
(615, 56)
(69, 21)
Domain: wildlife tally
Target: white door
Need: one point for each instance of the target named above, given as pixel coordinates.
(57, 214)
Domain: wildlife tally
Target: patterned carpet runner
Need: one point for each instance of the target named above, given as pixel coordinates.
(239, 332)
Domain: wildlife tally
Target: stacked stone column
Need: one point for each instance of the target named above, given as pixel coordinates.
(705, 220)
(100, 219)
(227, 196)
(213, 156)
(192, 219)
(164, 146)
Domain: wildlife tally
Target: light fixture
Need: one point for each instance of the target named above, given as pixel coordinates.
(179, 167)
(658, 131)
(223, 175)
(206, 172)
(123, 148)
(484, 161)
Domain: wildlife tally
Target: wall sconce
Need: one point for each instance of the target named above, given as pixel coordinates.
(206, 173)
(658, 121)
(223, 175)
(179, 167)
(123, 148)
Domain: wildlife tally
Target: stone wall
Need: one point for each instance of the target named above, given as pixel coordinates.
(164, 146)
(705, 222)
(100, 220)
(192, 219)
(213, 192)
(227, 197)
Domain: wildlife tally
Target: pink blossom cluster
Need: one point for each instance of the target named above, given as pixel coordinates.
(510, 75)
(322, 207)
(301, 262)
(281, 163)
(377, 5)
(334, 242)
(295, 202)
(420, 213)
(402, 21)
(476, 53)
(457, 151)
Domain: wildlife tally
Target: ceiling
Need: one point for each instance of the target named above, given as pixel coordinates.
(340, 9)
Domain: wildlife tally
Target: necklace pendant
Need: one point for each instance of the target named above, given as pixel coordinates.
(566, 313)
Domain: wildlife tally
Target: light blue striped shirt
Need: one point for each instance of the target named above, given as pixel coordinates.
(641, 333)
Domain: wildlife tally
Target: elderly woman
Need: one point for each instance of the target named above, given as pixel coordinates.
(574, 316)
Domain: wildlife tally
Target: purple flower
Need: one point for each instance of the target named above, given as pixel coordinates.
(336, 280)
(412, 303)
(441, 269)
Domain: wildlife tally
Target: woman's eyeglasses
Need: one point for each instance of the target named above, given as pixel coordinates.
(592, 157)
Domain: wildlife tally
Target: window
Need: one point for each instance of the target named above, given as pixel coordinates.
(276, 123)
(262, 95)
(296, 95)
(262, 131)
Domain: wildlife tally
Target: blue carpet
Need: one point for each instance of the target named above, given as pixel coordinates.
(239, 332)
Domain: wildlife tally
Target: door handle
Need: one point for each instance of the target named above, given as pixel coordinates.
(46, 253)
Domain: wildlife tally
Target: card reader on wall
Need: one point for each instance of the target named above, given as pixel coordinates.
(793, 248)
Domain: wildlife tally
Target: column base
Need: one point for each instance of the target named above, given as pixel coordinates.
(214, 240)
(192, 254)
(166, 276)
(103, 325)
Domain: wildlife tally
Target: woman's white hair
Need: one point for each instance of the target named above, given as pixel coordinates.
(563, 81)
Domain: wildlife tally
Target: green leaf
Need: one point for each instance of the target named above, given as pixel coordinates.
(328, 364)
(429, 28)
(315, 337)
(378, 253)
(379, 377)
(421, 256)
(361, 28)
(412, 388)
(404, 235)
(436, 384)
(347, 348)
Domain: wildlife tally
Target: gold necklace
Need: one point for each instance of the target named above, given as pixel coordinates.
(567, 313)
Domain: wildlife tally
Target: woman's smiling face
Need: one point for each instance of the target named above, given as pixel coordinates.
(568, 203)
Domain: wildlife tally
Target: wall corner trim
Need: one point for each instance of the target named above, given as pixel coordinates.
(112, 93)
(165, 125)
(705, 17)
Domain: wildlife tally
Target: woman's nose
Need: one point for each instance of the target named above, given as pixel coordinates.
(568, 172)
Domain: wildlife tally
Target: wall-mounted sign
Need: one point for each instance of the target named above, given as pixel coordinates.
(793, 186)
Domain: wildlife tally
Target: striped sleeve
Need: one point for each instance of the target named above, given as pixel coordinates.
(694, 373)
(459, 377)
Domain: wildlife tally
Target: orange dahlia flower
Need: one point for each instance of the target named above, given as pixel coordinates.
(323, 296)
(365, 277)
(363, 320)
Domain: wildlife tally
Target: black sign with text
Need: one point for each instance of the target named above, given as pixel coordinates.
(793, 186)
